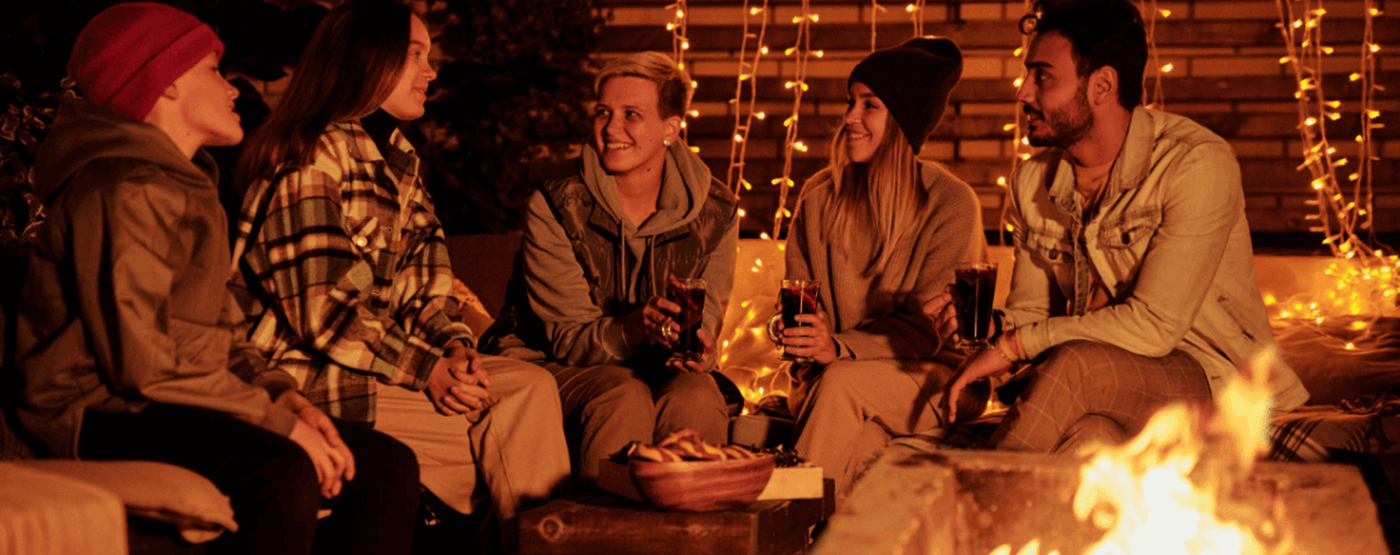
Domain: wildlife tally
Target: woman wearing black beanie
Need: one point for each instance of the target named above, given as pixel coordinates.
(882, 231)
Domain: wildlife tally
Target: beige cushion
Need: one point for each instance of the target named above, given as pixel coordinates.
(157, 491)
(473, 313)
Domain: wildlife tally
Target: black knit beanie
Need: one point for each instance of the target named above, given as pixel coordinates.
(913, 80)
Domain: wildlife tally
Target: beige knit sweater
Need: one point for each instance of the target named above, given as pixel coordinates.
(881, 315)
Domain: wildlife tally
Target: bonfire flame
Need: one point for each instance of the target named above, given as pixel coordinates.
(1181, 486)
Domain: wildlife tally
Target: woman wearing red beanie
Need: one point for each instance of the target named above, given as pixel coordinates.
(126, 324)
(345, 277)
(882, 231)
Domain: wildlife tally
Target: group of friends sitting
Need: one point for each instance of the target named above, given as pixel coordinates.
(321, 362)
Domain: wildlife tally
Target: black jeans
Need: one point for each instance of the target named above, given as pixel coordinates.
(270, 480)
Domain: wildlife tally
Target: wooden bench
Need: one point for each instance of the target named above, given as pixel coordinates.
(606, 524)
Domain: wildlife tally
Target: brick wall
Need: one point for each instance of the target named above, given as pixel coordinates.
(1225, 74)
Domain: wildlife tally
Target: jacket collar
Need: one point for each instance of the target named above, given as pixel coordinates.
(398, 153)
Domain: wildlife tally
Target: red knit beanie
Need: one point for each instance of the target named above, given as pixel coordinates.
(126, 56)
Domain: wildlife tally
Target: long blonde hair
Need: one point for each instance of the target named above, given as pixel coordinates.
(885, 195)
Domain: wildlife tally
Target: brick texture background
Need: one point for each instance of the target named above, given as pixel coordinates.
(1225, 74)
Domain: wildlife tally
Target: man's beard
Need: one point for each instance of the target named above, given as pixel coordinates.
(1064, 127)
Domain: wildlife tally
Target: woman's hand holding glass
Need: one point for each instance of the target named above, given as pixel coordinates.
(812, 340)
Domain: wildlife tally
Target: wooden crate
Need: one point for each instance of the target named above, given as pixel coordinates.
(605, 524)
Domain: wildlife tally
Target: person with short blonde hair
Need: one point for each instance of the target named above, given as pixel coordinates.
(604, 234)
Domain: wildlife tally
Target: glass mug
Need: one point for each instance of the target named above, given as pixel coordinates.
(689, 293)
(796, 297)
(974, 288)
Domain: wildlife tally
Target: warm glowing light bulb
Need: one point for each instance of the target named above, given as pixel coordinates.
(1297, 23)
(1317, 184)
(764, 235)
(1167, 68)
(761, 115)
(816, 17)
(1025, 156)
(755, 11)
(742, 213)
(1334, 116)
(1008, 127)
(1285, 59)
(1355, 76)
(679, 14)
(1001, 181)
(695, 113)
(1166, 13)
(685, 45)
(820, 53)
(1373, 114)
(763, 49)
(1310, 121)
(1327, 50)
(1375, 48)
(1017, 82)
(1017, 52)
(670, 26)
(694, 84)
(909, 8)
(738, 138)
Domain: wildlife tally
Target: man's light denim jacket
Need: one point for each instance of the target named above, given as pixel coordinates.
(1171, 244)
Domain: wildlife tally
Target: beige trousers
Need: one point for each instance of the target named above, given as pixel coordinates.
(847, 411)
(514, 444)
(606, 407)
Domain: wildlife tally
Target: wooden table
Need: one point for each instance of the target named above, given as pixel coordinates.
(604, 524)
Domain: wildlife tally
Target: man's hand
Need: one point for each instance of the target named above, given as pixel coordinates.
(693, 365)
(458, 382)
(812, 340)
(982, 364)
(945, 315)
(316, 434)
(651, 323)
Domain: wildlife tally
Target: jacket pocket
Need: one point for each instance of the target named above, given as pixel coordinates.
(1130, 228)
(1051, 246)
(366, 236)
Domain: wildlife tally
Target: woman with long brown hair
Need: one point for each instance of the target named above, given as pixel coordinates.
(882, 231)
(348, 282)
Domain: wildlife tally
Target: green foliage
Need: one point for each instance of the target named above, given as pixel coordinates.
(23, 126)
(512, 90)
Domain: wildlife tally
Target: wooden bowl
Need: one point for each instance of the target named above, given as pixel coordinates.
(701, 485)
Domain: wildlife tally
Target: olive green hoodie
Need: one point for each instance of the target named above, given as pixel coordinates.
(576, 330)
(126, 301)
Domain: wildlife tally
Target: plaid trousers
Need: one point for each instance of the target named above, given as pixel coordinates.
(1084, 392)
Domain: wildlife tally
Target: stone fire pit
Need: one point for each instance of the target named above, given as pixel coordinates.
(917, 499)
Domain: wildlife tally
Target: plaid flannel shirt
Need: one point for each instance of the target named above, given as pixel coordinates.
(344, 274)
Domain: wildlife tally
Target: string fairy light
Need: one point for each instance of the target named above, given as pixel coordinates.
(1366, 275)
(800, 51)
(916, 12)
(680, 43)
(743, 119)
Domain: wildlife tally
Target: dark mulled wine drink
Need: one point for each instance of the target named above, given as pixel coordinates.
(797, 297)
(973, 291)
(690, 295)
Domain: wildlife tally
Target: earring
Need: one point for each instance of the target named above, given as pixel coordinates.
(666, 142)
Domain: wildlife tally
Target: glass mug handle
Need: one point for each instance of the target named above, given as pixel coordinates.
(772, 328)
